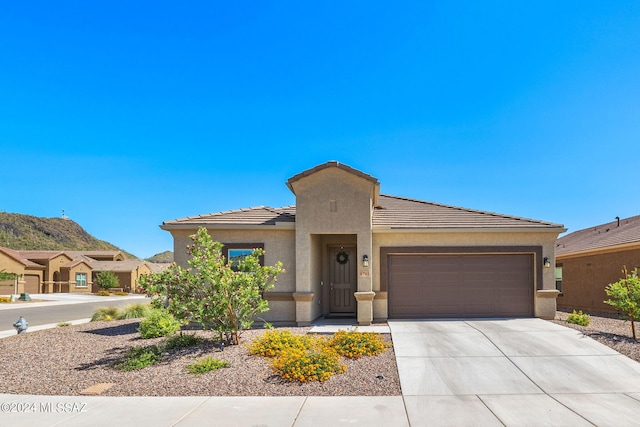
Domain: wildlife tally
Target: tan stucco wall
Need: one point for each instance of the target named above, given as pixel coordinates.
(543, 305)
(330, 201)
(279, 245)
(79, 268)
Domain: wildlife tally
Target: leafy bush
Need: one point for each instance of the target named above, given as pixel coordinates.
(140, 357)
(579, 318)
(107, 280)
(106, 313)
(356, 344)
(103, 293)
(316, 363)
(135, 311)
(215, 292)
(159, 323)
(182, 341)
(624, 295)
(121, 293)
(273, 342)
(206, 364)
(63, 324)
(5, 299)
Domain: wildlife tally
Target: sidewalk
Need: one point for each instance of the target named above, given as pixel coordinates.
(44, 300)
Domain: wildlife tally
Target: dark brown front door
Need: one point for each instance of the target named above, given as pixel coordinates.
(343, 279)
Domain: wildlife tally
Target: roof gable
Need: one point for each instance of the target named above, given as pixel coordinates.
(613, 234)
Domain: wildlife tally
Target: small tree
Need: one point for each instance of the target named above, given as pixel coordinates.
(107, 280)
(212, 291)
(625, 296)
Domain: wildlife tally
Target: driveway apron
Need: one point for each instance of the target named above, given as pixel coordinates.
(512, 372)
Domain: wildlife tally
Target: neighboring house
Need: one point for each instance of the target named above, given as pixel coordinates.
(590, 259)
(127, 271)
(29, 274)
(350, 251)
(67, 271)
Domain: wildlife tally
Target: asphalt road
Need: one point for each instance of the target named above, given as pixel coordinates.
(43, 315)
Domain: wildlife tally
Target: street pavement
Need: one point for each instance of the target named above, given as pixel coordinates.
(495, 372)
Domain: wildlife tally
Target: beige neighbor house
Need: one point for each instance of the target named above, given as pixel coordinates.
(67, 271)
(588, 260)
(350, 251)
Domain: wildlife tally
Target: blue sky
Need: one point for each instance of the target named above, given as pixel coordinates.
(126, 114)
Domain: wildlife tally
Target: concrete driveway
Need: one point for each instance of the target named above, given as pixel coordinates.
(512, 372)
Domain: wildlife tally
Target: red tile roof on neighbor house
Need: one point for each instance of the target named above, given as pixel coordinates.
(392, 212)
(623, 232)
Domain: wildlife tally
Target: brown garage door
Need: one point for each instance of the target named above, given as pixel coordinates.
(32, 284)
(486, 285)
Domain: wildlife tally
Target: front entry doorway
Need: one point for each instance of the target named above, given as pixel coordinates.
(342, 280)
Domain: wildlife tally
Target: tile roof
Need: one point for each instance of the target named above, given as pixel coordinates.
(401, 213)
(15, 255)
(126, 266)
(391, 213)
(40, 254)
(330, 164)
(611, 234)
(261, 215)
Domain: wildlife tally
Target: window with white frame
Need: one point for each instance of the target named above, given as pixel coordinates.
(81, 280)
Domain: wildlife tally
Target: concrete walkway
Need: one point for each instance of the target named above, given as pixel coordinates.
(518, 372)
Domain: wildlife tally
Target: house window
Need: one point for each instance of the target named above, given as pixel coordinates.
(235, 252)
(559, 278)
(237, 255)
(81, 280)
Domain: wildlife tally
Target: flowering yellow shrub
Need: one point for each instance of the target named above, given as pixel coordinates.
(307, 358)
(317, 363)
(272, 343)
(356, 344)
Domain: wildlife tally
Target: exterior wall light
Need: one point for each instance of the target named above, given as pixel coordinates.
(546, 262)
(365, 260)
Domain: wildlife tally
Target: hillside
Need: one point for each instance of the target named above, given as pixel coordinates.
(25, 232)
(162, 258)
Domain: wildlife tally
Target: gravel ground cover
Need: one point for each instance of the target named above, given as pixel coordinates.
(609, 330)
(67, 360)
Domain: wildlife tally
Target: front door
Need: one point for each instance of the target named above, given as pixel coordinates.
(343, 279)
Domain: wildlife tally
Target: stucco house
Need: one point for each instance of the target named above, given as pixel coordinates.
(588, 260)
(351, 251)
(67, 271)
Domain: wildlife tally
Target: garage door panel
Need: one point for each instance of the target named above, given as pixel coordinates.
(460, 285)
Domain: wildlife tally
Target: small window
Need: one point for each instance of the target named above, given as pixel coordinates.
(559, 278)
(237, 255)
(234, 252)
(81, 280)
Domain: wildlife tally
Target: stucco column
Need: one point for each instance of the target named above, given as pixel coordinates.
(303, 295)
(364, 296)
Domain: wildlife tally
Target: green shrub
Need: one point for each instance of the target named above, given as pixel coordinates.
(63, 324)
(206, 364)
(140, 357)
(578, 318)
(103, 293)
(159, 323)
(5, 299)
(107, 280)
(106, 313)
(182, 341)
(135, 311)
(356, 344)
(121, 293)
